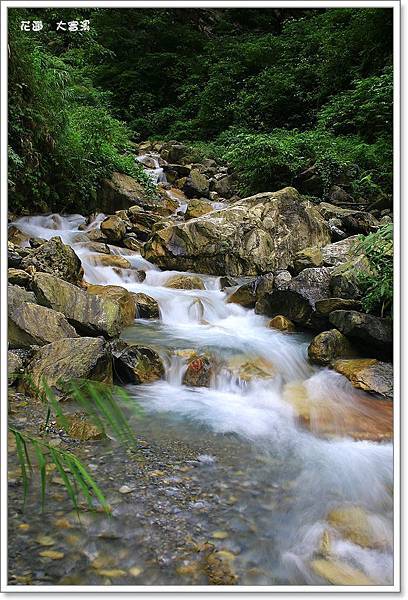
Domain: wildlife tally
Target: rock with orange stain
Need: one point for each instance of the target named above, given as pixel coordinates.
(357, 416)
(199, 371)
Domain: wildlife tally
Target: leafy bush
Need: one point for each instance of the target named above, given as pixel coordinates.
(269, 161)
(377, 284)
(366, 109)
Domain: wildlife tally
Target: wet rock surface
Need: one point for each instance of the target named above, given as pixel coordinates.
(136, 364)
(328, 346)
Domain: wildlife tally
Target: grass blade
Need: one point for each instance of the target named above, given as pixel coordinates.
(43, 474)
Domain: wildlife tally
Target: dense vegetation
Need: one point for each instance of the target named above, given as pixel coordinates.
(271, 91)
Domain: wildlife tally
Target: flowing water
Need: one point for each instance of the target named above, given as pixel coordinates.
(293, 474)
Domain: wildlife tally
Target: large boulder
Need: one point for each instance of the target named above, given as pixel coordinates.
(17, 295)
(119, 295)
(298, 300)
(32, 324)
(120, 192)
(173, 152)
(346, 278)
(339, 252)
(368, 374)
(253, 236)
(136, 364)
(372, 332)
(89, 313)
(245, 295)
(56, 258)
(223, 186)
(328, 305)
(331, 255)
(70, 359)
(328, 345)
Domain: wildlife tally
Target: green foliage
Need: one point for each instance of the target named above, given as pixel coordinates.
(273, 91)
(269, 161)
(377, 284)
(100, 403)
(62, 136)
(366, 109)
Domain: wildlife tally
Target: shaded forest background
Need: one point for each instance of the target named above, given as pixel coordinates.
(271, 92)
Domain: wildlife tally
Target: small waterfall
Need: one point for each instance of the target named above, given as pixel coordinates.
(153, 169)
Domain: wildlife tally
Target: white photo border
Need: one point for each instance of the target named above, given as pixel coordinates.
(289, 589)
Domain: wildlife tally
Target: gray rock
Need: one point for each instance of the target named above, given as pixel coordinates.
(91, 314)
(14, 366)
(297, 301)
(31, 324)
(136, 364)
(56, 258)
(196, 185)
(370, 331)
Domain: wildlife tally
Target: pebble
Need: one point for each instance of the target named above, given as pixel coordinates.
(125, 489)
(112, 572)
(45, 540)
(219, 535)
(52, 554)
(135, 571)
(62, 523)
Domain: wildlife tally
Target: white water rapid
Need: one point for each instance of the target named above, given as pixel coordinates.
(322, 467)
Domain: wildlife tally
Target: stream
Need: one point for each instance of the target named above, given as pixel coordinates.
(270, 481)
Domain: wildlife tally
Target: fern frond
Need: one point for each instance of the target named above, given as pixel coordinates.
(73, 473)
